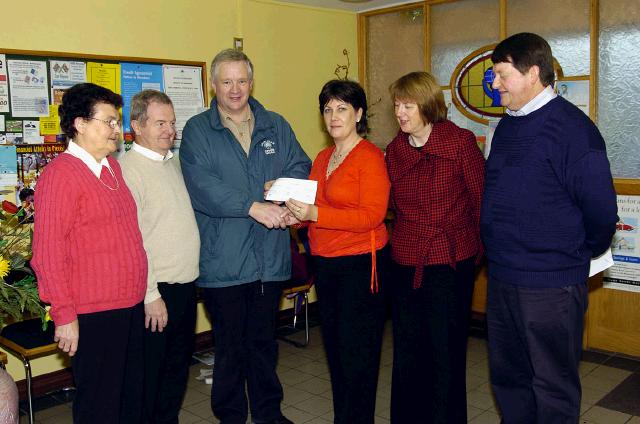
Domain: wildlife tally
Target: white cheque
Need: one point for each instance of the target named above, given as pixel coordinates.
(284, 189)
(601, 263)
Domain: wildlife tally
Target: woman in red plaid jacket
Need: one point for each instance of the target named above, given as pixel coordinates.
(437, 173)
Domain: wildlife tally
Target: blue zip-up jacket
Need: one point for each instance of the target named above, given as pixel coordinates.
(223, 184)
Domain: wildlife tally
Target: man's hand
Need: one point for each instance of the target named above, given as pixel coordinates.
(267, 187)
(67, 336)
(268, 214)
(289, 219)
(155, 315)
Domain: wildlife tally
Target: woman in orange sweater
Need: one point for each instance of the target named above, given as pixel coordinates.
(348, 241)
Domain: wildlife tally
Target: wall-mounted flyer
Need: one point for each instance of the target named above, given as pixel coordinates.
(64, 75)
(625, 273)
(134, 78)
(4, 85)
(29, 87)
(183, 84)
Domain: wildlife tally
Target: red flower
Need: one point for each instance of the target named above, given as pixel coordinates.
(10, 207)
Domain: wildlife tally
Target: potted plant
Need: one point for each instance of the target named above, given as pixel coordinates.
(18, 288)
(18, 291)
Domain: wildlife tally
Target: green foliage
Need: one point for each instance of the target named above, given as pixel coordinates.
(18, 287)
(19, 299)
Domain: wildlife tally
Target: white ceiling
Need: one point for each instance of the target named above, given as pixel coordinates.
(352, 5)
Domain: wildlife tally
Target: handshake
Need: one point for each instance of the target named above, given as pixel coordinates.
(275, 215)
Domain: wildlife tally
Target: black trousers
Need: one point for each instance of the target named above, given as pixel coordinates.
(168, 354)
(535, 344)
(244, 324)
(107, 368)
(352, 325)
(430, 329)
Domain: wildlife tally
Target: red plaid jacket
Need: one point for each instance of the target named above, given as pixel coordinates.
(436, 193)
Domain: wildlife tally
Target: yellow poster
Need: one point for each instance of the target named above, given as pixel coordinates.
(50, 125)
(106, 75)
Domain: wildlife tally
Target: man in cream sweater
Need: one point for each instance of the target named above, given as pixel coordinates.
(170, 236)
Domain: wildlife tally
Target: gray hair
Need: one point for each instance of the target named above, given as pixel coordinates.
(230, 55)
(141, 101)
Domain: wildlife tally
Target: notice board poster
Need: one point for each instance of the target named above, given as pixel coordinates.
(625, 272)
(32, 85)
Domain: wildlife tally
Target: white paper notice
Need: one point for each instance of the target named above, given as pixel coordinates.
(601, 263)
(183, 85)
(31, 132)
(64, 75)
(29, 88)
(4, 87)
(577, 92)
(292, 188)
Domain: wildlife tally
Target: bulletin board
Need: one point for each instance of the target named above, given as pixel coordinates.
(32, 84)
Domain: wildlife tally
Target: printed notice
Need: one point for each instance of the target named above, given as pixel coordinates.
(577, 92)
(625, 272)
(284, 189)
(31, 132)
(8, 166)
(105, 75)
(136, 77)
(64, 75)
(4, 87)
(50, 125)
(29, 88)
(183, 84)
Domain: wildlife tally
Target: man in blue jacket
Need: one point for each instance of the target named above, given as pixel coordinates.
(228, 153)
(549, 206)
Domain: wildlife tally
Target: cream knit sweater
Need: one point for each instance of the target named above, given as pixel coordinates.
(166, 220)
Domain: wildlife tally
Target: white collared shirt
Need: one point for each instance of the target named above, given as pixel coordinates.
(95, 167)
(150, 154)
(544, 97)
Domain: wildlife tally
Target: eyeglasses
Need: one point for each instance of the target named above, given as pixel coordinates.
(113, 123)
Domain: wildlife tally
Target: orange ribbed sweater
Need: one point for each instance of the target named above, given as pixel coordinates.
(352, 203)
(87, 249)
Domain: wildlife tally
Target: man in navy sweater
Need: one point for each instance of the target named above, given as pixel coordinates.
(549, 206)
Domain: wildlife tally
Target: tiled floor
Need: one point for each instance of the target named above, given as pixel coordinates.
(307, 391)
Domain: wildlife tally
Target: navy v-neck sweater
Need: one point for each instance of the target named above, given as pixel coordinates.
(549, 203)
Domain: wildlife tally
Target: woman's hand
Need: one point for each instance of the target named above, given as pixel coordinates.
(302, 211)
(67, 336)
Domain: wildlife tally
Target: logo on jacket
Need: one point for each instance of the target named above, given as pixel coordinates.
(268, 146)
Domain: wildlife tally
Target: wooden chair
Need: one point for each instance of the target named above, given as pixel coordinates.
(26, 341)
